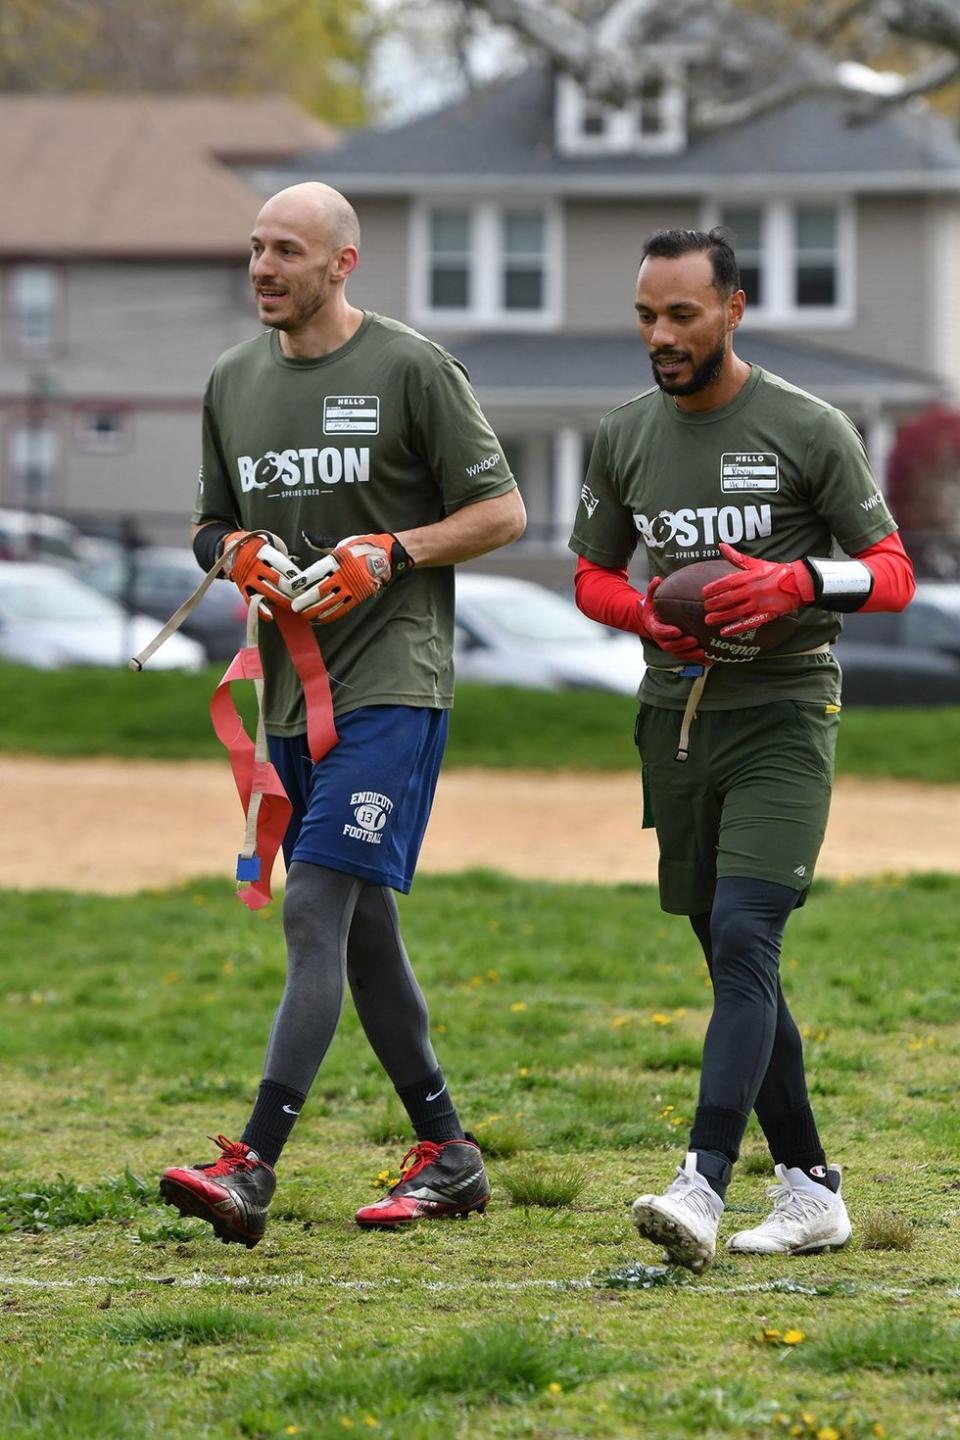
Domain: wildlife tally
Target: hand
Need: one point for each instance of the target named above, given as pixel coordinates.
(260, 567)
(358, 568)
(668, 637)
(761, 591)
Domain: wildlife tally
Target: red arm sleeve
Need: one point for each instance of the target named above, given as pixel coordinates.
(892, 571)
(607, 596)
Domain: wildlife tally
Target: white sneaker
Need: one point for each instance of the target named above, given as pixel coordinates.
(806, 1216)
(684, 1219)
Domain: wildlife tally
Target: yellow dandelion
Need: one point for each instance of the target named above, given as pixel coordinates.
(372, 1421)
(915, 1045)
(618, 1021)
(794, 1337)
(440, 1029)
(797, 1430)
(660, 1019)
(518, 1006)
(667, 1110)
(772, 1337)
(475, 982)
(808, 1418)
(880, 1431)
(171, 977)
(523, 1071)
(679, 1014)
(676, 1120)
(492, 976)
(827, 1432)
(780, 1419)
(555, 1387)
(292, 1430)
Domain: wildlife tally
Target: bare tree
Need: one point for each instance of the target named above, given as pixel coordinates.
(788, 50)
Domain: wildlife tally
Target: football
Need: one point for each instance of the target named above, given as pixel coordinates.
(679, 602)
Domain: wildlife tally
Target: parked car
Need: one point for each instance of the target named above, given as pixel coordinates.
(516, 632)
(155, 579)
(50, 619)
(911, 658)
(27, 535)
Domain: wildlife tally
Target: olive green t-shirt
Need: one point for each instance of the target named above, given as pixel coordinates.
(384, 434)
(777, 473)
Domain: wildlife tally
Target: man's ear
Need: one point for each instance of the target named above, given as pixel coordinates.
(737, 304)
(346, 262)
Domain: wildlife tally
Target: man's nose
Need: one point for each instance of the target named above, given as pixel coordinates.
(261, 264)
(662, 336)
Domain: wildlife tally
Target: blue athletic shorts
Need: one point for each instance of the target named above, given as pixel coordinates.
(364, 808)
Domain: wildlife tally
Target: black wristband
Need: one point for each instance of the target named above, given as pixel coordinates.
(400, 559)
(207, 542)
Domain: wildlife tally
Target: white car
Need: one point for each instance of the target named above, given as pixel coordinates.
(49, 619)
(516, 632)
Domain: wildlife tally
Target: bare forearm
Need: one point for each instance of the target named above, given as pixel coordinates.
(471, 531)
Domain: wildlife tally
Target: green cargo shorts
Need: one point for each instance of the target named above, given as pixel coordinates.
(751, 800)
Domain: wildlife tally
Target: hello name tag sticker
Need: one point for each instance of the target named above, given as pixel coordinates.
(351, 415)
(749, 470)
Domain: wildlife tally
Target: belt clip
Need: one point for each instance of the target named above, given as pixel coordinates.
(691, 671)
(248, 869)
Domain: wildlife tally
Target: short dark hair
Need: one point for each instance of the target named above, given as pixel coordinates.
(668, 244)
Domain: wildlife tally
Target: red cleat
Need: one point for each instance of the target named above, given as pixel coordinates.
(232, 1193)
(442, 1179)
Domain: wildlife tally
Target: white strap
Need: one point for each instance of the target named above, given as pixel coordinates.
(182, 611)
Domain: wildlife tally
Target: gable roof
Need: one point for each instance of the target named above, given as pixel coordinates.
(503, 135)
(139, 176)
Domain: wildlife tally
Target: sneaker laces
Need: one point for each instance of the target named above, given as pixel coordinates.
(236, 1156)
(791, 1203)
(424, 1153)
(695, 1196)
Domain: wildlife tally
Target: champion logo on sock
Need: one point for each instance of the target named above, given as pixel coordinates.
(819, 1172)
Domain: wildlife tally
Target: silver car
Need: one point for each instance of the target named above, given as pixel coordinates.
(49, 619)
(516, 632)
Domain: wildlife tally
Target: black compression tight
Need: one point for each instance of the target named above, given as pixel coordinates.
(753, 1054)
(336, 926)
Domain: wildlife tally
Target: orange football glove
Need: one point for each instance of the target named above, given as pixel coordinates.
(261, 567)
(358, 568)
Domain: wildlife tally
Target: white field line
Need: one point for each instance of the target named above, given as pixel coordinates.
(199, 1280)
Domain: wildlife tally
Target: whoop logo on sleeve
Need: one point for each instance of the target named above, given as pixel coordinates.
(351, 415)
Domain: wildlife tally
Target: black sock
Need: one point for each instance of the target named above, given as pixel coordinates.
(431, 1110)
(795, 1142)
(271, 1120)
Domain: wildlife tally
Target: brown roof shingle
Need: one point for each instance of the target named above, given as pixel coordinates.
(138, 176)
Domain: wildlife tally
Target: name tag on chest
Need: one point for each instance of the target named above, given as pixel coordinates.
(749, 470)
(351, 415)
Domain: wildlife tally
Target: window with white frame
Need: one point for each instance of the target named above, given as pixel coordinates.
(34, 301)
(486, 263)
(655, 121)
(102, 431)
(796, 259)
(34, 455)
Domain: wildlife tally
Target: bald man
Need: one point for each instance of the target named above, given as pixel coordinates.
(336, 422)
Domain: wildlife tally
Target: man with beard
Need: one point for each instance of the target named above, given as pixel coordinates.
(724, 458)
(340, 431)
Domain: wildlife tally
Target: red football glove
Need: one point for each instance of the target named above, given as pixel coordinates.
(260, 567)
(668, 637)
(763, 590)
(358, 568)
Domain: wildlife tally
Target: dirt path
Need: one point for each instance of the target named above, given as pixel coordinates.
(116, 826)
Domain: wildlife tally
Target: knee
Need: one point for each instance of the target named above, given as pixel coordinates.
(300, 919)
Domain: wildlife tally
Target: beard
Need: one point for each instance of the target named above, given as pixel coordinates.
(303, 307)
(703, 375)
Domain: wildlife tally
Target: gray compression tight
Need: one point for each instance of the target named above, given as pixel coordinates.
(335, 926)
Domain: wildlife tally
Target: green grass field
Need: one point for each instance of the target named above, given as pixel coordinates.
(164, 716)
(569, 1020)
